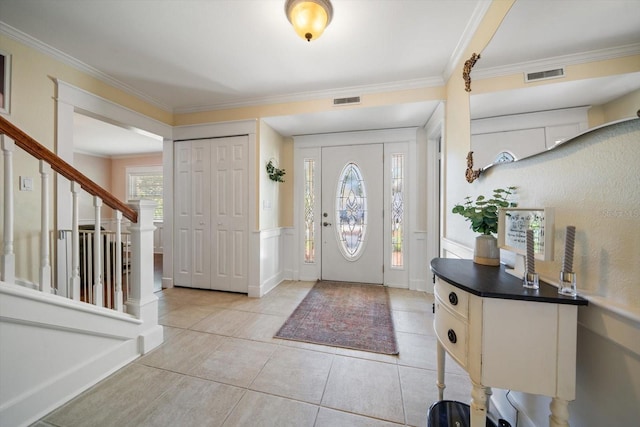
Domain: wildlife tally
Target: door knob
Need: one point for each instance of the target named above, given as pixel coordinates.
(326, 224)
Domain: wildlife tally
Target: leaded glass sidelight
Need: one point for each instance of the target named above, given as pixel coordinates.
(397, 210)
(309, 207)
(351, 211)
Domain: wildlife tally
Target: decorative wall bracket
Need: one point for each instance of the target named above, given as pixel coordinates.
(466, 71)
(471, 174)
(274, 173)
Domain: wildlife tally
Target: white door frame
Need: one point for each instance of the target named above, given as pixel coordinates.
(367, 266)
(309, 147)
(71, 99)
(226, 129)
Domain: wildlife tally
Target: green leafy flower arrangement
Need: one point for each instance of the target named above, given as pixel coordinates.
(274, 173)
(483, 212)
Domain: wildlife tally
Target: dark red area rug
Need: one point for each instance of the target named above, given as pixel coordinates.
(350, 315)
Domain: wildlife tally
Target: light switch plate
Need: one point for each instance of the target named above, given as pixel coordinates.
(26, 183)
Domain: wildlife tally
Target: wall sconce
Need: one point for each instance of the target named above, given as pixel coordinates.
(309, 17)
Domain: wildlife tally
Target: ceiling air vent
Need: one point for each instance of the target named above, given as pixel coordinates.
(543, 75)
(346, 101)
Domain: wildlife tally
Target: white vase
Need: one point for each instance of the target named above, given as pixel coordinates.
(486, 251)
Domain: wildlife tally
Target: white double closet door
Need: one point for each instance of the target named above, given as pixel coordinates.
(211, 218)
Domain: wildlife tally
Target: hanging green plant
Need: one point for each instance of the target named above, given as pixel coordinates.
(274, 173)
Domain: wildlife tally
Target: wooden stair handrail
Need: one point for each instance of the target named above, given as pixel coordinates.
(40, 152)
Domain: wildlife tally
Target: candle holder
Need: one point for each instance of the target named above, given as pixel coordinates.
(531, 281)
(567, 285)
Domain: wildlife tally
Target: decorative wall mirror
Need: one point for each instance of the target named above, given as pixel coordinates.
(550, 107)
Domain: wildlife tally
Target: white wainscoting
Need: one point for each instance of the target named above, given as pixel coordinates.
(54, 348)
(419, 273)
(271, 260)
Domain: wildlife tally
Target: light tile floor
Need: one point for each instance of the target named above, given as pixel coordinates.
(221, 366)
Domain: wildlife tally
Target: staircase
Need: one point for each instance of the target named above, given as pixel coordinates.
(64, 329)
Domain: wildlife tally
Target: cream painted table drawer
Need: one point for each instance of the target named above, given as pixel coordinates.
(505, 335)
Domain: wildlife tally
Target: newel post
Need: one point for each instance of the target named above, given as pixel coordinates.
(141, 302)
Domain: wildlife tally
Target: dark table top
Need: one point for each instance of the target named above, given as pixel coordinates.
(494, 282)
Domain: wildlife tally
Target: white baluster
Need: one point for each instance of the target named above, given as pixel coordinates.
(45, 263)
(74, 280)
(7, 259)
(98, 293)
(118, 273)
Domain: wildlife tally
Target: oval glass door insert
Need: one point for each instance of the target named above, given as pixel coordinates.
(351, 211)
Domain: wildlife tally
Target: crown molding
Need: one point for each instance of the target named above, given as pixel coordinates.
(316, 95)
(78, 65)
(557, 61)
(467, 36)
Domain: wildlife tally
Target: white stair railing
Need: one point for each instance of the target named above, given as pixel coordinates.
(115, 256)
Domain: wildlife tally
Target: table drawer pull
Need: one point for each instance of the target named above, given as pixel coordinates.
(453, 298)
(452, 336)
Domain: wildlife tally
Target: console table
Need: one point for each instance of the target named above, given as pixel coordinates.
(504, 335)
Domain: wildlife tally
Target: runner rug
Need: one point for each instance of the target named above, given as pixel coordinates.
(350, 315)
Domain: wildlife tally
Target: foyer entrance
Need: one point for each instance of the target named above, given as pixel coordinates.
(352, 227)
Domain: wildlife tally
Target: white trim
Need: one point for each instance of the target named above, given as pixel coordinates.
(467, 36)
(451, 249)
(215, 130)
(344, 92)
(309, 147)
(434, 130)
(106, 110)
(556, 62)
(78, 65)
(355, 138)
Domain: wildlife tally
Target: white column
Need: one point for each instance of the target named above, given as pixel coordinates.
(45, 262)
(74, 280)
(7, 259)
(141, 292)
(141, 301)
(98, 292)
(118, 270)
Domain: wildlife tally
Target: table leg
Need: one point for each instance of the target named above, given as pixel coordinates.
(440, 365)
(478, 405)
(488, 392)
(559, 413)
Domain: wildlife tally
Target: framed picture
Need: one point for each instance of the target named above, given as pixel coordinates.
(513, 224)
(5, 81)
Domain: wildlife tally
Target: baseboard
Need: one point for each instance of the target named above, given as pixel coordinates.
(29, 407)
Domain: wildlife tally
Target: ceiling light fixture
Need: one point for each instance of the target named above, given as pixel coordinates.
(309, 17)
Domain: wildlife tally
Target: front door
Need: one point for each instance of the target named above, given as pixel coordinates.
(352, 213)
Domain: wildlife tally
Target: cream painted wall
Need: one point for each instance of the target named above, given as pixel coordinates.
(119, 167)
(458, 126)
(593, 183)
(33, 93)
(271, 148)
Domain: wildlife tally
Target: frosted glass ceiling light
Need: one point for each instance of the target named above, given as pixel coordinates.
(309, 17)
